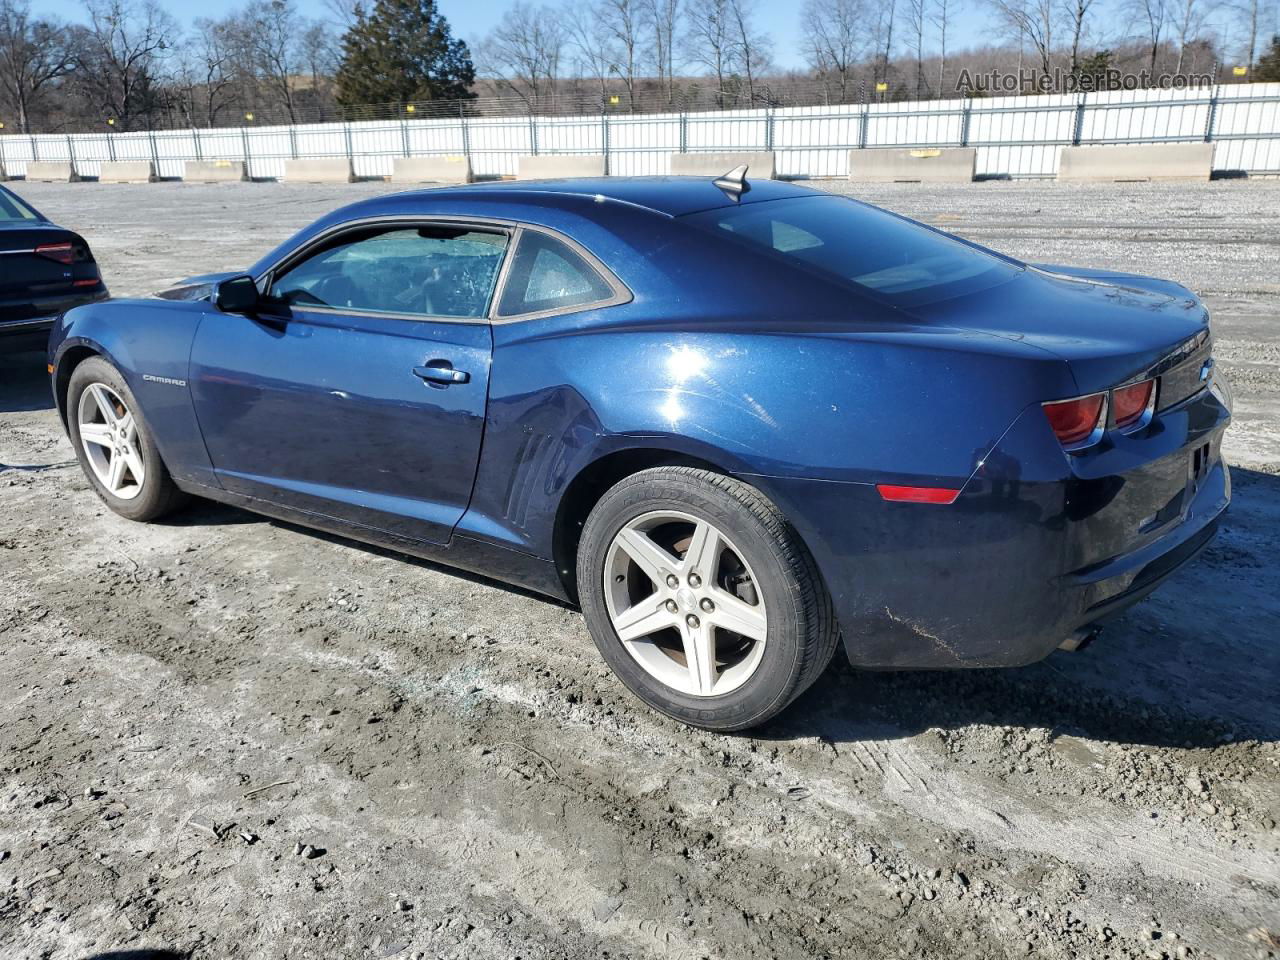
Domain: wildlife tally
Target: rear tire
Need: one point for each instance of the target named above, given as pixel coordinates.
(671, 560)
(115, 446)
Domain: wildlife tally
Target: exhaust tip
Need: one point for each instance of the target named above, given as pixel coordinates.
(1080, 639)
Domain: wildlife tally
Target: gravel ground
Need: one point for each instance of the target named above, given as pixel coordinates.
(228, 738)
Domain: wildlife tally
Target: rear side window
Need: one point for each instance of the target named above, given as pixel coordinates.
(547, 275)
(11, 208)
(900, 261)
(431, 271)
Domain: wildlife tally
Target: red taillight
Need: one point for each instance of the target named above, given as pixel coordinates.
(59, 252)
(87, 282)
(1074, 421)
(1131, 402)
(897, 494)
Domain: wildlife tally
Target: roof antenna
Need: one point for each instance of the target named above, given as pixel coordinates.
(734, 183)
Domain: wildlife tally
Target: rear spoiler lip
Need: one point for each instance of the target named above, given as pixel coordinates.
(1118, 278)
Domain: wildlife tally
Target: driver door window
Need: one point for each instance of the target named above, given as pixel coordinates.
(434, 271)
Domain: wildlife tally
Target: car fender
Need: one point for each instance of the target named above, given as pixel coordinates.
(149, 342)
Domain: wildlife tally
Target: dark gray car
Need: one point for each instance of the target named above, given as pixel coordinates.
(45, 270)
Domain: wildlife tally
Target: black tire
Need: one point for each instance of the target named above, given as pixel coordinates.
(801, 626)
(158, 495)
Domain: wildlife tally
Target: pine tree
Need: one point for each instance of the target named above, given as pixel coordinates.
(403, 51)
(1267, 68)
(1095, 67)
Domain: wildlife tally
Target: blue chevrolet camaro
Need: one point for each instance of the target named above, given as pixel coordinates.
(734, 421)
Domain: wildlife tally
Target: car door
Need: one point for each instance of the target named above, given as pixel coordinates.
(358, 391)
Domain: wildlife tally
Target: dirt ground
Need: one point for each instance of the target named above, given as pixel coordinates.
(227, 737)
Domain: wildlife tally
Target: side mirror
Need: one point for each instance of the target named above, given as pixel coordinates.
(237, 295)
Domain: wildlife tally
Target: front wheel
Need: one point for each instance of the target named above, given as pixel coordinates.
(114, 445)
(702, 598)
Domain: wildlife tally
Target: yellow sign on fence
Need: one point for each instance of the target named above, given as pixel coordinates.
(1239, 71)
(881, 87)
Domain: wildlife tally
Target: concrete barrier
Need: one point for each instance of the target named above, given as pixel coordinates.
(319, 170)
(127, 171)
(431, 170)
(52, 172)
(760, 166)
(556, 166)
(1148, 161)
(934, 165)
(214, 171)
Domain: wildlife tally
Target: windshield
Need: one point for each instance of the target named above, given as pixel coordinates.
(11, 208)
(900, 261)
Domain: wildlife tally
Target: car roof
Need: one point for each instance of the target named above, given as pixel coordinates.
(570, 206)
(672, 196)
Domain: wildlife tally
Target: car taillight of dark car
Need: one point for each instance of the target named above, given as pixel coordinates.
(68, 253)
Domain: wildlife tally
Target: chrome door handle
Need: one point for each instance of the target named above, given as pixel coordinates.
(441, 371)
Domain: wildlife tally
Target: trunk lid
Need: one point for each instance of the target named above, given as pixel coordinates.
(24, 273)
(1108, 331)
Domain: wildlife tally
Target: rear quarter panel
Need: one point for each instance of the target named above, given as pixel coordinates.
(840, 402)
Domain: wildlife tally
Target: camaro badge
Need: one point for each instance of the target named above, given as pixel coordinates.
(169, 380)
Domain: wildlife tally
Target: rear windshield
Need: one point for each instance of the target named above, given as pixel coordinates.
(11, 208)
(899, 261)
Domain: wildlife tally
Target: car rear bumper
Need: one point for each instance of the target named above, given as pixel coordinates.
(1027, 556)
(25, 323)
(16, 311)
(1153, 570)
(17, 336)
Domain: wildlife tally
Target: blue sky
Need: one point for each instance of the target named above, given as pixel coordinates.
(472, 19)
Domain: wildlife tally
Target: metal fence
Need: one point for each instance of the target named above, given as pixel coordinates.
(1014, 136)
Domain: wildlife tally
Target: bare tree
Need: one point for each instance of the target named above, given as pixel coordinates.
(884, 39)
(33, 55)
(917, 22)
(1251, 9)
(1189, 23)
(753, 48)
(1151, 17)
(126, 45)
(344, 13)
(835, 40)
(319, 55)
(1033, 21)
(710, 41)
(1077, 13)
(206, 73)
(622, 19)
(943, 10)
(524, 53)
(590, 42)
(273, 31)
(661, 17)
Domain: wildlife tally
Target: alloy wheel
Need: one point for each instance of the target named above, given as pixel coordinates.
(109, 436)
(685, 603)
